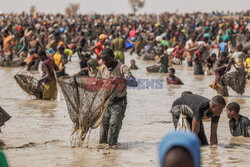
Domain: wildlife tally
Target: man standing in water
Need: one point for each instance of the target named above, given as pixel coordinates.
(113, 116)
(118, 45)
(220, 68)
(195, 108)
(48, 77)
(191, 47)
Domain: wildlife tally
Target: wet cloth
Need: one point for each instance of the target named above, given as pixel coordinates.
(49, 91)
(112, 120)
(241, 129)
(164, 64)
(175, 80)
(198, 59)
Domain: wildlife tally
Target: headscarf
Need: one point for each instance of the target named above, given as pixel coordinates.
(102, 37)
(184, 139)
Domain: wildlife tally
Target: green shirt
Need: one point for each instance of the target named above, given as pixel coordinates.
(3, 161)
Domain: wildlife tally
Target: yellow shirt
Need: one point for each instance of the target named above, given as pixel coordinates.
(58, 59)
(248, 64)
(68, 52)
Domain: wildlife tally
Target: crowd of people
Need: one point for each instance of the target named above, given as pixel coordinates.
(210, 43)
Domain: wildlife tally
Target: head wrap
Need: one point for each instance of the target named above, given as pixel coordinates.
(184, 139)
(102, 37)
(158, 39)
(225, 38)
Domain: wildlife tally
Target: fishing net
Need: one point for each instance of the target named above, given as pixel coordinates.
(153, 68)
(183, 123)
(148, 56)
(16, 62)
(86, 100)
(183, 111)
(4, 116)
(236, 80)
(30, 85)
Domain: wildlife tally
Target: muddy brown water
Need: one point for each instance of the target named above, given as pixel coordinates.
(38, 134)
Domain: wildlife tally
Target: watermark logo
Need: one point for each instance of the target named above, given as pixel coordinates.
(120, 84)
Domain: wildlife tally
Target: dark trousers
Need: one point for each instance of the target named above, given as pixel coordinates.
(202, 136)
(112, 121)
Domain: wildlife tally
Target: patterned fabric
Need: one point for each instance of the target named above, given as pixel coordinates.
(8, 45)
(174, 80)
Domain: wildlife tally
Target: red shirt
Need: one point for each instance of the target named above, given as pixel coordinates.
(132, 34)
(99, 49)
(174, 81)
(178, 52)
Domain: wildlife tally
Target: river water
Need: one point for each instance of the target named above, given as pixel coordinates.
(38, 134)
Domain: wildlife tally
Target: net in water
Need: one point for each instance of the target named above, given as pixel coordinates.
(236, 80)
(86, 100)
(30, 85)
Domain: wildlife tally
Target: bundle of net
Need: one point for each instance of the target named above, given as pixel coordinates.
(30, 85)
(236, 80)
(86, 102)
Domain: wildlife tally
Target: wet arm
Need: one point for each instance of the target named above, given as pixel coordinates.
(213, 135)
(46, 76)
(195, 126)
(93, 48)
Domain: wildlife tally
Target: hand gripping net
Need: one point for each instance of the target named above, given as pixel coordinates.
(30, 85)
(86, 103)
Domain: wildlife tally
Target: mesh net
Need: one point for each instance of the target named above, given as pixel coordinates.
(30, 85)
(153, 68)
(86, 103)
(236, 80)
(4, 116)
(13, 63)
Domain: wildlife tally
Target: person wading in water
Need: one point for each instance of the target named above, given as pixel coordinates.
(114, 114)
